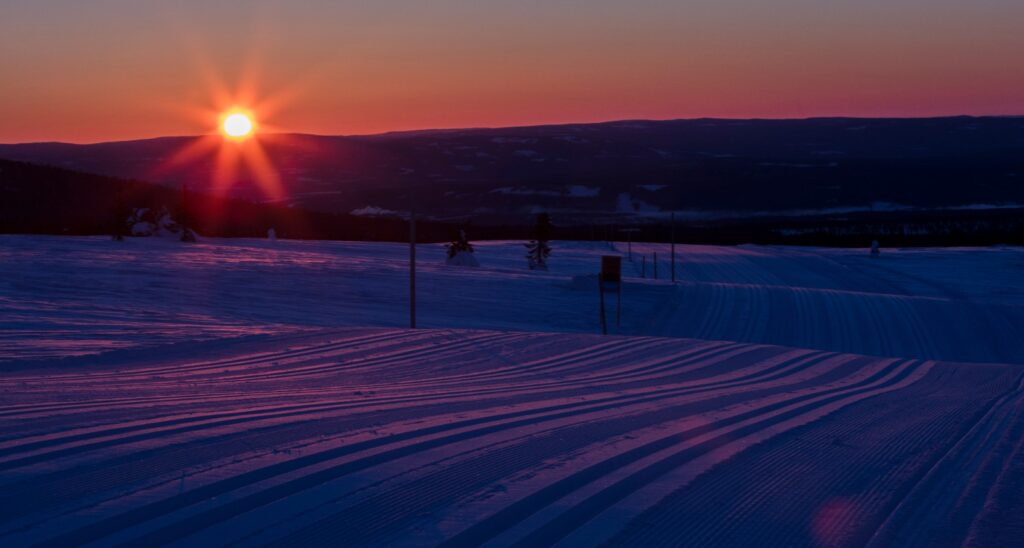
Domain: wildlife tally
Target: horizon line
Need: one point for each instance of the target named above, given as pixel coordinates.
(525, 126)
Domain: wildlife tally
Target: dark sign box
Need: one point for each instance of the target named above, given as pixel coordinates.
(611, 268)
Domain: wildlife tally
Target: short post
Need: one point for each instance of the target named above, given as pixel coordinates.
(672, 238)
(643, 266)
(629, 241)
(412, 268)
(618, 306)
(600, 293)
(655, 265)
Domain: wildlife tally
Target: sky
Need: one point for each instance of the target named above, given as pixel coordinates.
(100, 70)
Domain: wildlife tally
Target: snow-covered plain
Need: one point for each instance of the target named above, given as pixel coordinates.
(256, 392)
(71, 296)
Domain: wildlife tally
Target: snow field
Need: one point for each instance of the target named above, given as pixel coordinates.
(381, 436)
(254, 392)
(76, 296)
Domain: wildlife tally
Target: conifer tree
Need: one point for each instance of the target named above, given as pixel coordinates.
(537, 250)
(460, 251)
(459, 245)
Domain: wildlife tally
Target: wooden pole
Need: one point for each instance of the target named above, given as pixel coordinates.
(672, 233)
(412, 269)
(618, 306)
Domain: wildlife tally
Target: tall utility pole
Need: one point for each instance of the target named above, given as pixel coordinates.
(412, 268)
(672, 238)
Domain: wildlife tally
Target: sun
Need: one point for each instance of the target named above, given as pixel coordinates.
(237, 125)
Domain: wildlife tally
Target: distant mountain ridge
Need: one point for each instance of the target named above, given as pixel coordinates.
(627, 171)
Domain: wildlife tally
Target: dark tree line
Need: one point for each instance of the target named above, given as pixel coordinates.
(46, 200)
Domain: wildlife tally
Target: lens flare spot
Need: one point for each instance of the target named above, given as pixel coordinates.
(237, 125)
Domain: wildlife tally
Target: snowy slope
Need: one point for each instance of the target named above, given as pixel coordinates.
(253, 392)
(72, 296)
(382, 436)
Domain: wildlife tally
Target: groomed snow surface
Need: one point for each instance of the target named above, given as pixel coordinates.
(251, 392)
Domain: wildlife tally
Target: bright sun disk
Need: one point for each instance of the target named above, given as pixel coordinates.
(237, 125)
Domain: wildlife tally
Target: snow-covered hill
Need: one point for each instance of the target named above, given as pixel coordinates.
(635, 168)
(252, 392)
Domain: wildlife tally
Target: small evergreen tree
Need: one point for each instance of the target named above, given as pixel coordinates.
(460, 251)
(537, 250)
(459, 245)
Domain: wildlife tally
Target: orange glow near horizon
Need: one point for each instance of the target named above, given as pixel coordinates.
(121, 69)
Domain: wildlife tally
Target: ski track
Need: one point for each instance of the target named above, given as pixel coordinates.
(773, 396)
(59, 296)
(373, 436)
